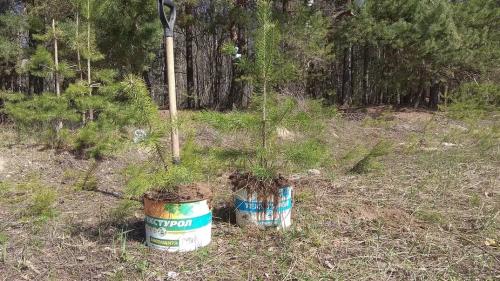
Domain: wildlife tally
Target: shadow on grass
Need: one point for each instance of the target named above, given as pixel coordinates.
(107, 231)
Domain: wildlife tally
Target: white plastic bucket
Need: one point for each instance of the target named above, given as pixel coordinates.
(250, 210)
(177, 227)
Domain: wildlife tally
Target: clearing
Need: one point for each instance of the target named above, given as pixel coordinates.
(429, 211)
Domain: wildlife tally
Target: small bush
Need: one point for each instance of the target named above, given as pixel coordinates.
(474, 101)
(87, 183)
(42, 203)
(141, 179)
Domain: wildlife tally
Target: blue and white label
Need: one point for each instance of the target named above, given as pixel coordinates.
(257, 207)
(250, 210)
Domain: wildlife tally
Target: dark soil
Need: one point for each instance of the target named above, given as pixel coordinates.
(185, 193)
(265, 190)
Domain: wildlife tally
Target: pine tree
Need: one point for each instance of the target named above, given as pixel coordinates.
(11, 25)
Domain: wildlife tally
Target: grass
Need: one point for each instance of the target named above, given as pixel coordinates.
(34, 199)
(3, 247)
(369, 162)
(426, 215)
(5, 187)
(123, 211)
(42, 203)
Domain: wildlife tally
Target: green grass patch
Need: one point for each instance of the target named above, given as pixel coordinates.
(308, 154)
(433, 217)
(5, 187)
(3, 247)
(228, 122)
(353, 154)
(370, 162)
(42, 203)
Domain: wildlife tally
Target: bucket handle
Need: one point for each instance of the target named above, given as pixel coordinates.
(168, 23)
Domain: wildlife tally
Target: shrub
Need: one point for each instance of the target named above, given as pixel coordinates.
(42, 203)
(474, 101)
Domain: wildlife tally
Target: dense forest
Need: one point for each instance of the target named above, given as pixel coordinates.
(352, 53)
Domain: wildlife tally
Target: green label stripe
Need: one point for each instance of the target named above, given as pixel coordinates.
(162, 242)
(179, 224)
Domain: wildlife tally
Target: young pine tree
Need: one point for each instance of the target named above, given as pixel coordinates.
(267, 40)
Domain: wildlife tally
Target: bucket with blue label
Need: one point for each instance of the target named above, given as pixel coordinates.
(270, 212)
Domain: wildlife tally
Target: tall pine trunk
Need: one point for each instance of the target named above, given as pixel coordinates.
(238, 88)
(347, 83)
(434, 95)
(365, 75)
(78, 55)
(56, 61)
(189, 57)
(89, 78)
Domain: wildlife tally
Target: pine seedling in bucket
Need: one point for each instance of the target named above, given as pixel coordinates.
(263, 197)
(177, 213)
(267, 148)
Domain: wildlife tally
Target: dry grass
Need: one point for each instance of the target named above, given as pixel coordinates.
(430, 213)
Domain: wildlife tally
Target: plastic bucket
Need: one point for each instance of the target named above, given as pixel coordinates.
(177, 227)
(251, 211)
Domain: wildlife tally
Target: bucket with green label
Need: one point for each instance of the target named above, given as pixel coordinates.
(177, 226)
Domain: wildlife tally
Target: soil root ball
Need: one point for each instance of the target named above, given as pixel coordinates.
(184, 193)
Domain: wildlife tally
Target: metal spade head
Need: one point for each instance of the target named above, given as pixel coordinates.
(168, 23)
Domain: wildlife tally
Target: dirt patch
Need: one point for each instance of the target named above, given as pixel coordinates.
(412, 116)
(2, 165)
(391, 217)
(185, 193)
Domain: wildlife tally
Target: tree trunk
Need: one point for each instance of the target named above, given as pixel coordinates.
(89, 78)
(189, 57)
(434, 95)
(56, 60)
(238, 87)
(285, 7)
(365, 75)
(78, 56)
(446, 96)
(347, 77)
(147, 81)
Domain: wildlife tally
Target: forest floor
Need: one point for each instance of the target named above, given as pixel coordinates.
(429, 212)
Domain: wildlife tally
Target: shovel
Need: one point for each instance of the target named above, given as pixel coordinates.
(168, 37)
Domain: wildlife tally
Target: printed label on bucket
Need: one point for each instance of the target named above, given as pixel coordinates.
(164, 242)
(179, 224)
(177, 227)
(251, 210)
(257, 207)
